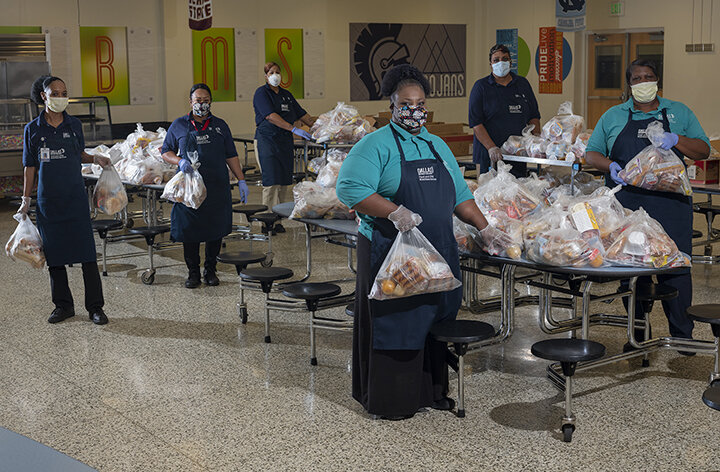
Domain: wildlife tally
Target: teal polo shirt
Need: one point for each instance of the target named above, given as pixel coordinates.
(682, 122)
(373, 166)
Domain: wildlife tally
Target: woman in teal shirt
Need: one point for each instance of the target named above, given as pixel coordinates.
(397, 178)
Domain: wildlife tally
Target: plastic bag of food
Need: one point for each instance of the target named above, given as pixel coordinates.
(507, 194)
(536, 186)
(342, 124)
(544, 220)
(339, 211)
(535, 146)
(578, 147)
(472, 185)
(315, 165)
(187, 188)
(312, 201)
(655, 168)
(564, 247)
(642, 242)
(564, 126)
(514, 146)
(327, 177)
(109, 195)
(465, 235)
(412, 267)
(25, 244)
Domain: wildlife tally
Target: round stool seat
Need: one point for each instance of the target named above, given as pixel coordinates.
(311, 291)
(150, 230)
(350, 309)
(240, 258)
(711, 397)
(654, 292)
(265, 218)
(106, 225)
(462, 331)
(697, 234)
(568, 350)
(266, 274)
(706, 208)
(709, 313)
(249, 210)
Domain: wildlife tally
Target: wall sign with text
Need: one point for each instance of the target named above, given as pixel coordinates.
(104, 63)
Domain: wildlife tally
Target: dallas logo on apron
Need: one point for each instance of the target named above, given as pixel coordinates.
(426, 174)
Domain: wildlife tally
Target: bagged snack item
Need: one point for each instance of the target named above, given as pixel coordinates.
(312, 201)
(342, 124)
(536, 186)
(465, 235)
(499, 240)
(563, 247)
(315, 165)
(655, 168)
(544, 220)
(514, 146)
(339, 211)
(327, 177)
(109, 195)
(412, 267)
(564, 126)
(642, 242)
(557, 151)
(578, 147)
(505, 193)
(187, 188)
(25, 244)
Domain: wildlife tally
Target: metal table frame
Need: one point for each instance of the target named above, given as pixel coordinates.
(712, 236)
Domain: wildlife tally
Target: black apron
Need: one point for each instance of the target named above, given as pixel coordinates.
(672, 210)
(213, 219)
(63, 211)
(426, 188)
(275, 147)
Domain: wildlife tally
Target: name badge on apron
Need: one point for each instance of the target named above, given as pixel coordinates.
(44, 153)
(284, 107)
(642, 133)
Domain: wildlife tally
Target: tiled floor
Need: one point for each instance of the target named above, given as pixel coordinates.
(175, 382)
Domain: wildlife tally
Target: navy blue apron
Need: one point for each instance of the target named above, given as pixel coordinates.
(275, 145)
(404, 323)
(213, 220)
(63, 212)
(672, 210)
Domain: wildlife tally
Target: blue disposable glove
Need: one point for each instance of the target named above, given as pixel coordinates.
(669, 140)
(302, 133)
(244, 190)
(614, 169)
(185, 166)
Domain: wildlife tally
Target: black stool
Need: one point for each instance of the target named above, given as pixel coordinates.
(312, 293)
(103, 227)
(710, 211)
(649, 294)
(268, 221)
(350, 309)
(568, 352)
(249, 210)
(266, 276)
(697, 234)
(149, 233)
(460, 333)
(710, 314)
(241, 260)
(711, 397)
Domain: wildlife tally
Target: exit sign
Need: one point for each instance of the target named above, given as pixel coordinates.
(617, 8)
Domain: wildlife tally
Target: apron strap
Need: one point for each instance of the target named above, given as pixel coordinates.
(402, 153)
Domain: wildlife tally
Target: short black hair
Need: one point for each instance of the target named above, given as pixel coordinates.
(40, 84)
(496, 48)
(200, 86)
(401, 76)
(640, 63)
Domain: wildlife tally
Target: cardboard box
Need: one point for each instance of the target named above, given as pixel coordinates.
(459, 144)
(704, 172)
(445, 129)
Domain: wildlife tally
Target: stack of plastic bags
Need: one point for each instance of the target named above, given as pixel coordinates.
(313, 201)
(343, 124)
(187, 188)
(25, 244)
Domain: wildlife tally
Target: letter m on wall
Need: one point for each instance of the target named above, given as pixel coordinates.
(214, 61)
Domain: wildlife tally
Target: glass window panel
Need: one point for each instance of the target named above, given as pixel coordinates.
(653, 52)
(608, 67)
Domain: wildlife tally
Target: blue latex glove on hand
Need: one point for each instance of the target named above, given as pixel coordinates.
(669, 140)
(244, 190)
(614, 169)
(185, 166)
(302, 133)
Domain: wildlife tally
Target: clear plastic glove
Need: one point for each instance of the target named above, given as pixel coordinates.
(495, 241)
(669, 140)
(495, 154)
(25, 206)
(614, 169)
(404, 219)
(244, 190)
(102, 161)
(185, 166)
(302, 133)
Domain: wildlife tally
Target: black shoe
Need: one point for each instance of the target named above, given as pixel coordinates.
(686, 353)
(192, 282)
(279, 228)
(396, 417)
(59, 314)
(98, 317)
(444, 404)
(211, 278)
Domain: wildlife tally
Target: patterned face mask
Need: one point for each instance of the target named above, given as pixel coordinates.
(410, 118)
(201, 109)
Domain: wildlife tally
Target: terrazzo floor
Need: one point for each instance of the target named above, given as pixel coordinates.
(176, 382)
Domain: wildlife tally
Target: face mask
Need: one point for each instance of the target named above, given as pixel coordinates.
(410, 118)
(274, 79)
(57, 104)
(644, 92)
(501, 69)
(201, 109)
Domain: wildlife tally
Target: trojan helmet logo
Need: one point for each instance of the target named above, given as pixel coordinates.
(571, 5)
(377, 50)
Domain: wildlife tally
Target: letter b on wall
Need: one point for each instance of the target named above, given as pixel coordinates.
(103, 53)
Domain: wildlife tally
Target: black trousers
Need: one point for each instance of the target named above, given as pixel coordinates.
(191, 252)
(60, 289)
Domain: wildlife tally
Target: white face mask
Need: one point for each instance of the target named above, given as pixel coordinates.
(644, 92)
(274, 79)
(501, 69)
(57, 104)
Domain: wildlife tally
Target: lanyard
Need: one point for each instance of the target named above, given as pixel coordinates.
(204, 126)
